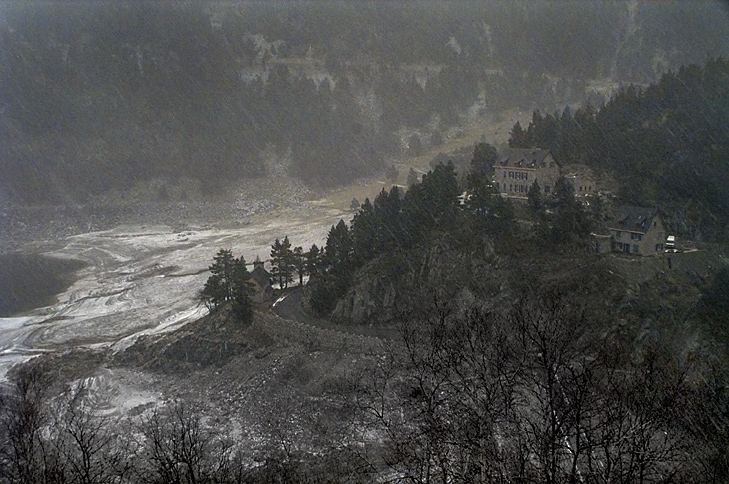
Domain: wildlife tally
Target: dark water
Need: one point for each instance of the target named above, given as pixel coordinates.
(30, 281)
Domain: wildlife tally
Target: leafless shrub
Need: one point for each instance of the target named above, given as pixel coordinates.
(527, 396)
(178, 448)
(91, 446)
(25, 455)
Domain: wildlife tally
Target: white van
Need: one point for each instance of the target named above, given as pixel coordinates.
(671, 244)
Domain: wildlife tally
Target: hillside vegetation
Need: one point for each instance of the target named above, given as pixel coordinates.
(666, 144)
(96, 96)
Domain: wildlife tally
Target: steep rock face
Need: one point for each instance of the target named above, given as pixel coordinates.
(371, 300)
(388, 287)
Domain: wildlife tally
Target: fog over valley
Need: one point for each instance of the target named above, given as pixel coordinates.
(378, 241)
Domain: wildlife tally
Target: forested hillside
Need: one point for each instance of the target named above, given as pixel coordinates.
(95, 96)
(667, 144)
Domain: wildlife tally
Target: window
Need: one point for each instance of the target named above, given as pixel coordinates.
(504, 174)
(635, 249)
(634, 236)
(659, 247)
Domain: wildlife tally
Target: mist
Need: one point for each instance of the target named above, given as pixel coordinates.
(364, 241)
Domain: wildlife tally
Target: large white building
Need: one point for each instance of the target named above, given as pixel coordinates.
(518, 168)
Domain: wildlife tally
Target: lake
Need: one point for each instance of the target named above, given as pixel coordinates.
(29, 281)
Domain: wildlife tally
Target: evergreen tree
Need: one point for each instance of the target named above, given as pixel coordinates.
(534, 198)
(365, 233)
(218, 289)
(517, 137)
(354, 204)
(432, 202)
(570, 222)
(491, 213)
(212, 294)
(229, 282)
(312, 261)
(282, 262)
(299, 264)
(338, 252)
(242, 289)
(335, 275)
(484, 157)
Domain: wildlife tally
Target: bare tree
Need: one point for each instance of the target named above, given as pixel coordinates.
(91, 445)
(178, 448)
(533, 395)
(25, 456)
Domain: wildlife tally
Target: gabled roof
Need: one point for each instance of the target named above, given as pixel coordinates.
(261, 276)
(633, 218)
(578, 169)
(524, 157)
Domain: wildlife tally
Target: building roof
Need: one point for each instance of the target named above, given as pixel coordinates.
(524, 157)
(633, 218)
(578, 170)
(261, 276)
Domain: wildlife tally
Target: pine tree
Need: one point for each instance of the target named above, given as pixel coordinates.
(218, 288)
(534, 198)
(212, 295)
(484, 157)
(517, 137)
(229, 282)
(312, 260)
(571, 222)
(282, 262)
(276, 261)
(299, 264)
(242, 290)
(491, 213)
(338, 252)
(364, 233)
(432, 203)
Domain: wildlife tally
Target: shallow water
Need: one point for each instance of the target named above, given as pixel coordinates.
(29, 281)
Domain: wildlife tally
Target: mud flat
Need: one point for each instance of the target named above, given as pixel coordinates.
(136, 280)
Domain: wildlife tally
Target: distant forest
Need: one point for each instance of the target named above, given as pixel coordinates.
(95, 96)
(667, 145)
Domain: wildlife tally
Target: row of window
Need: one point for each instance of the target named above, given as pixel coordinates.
(633, 248)
(633, 235)
(517, 175)
(512, 188)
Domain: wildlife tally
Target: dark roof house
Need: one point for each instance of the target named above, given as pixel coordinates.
(632, 218)
(633, 230)
(526, 158)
